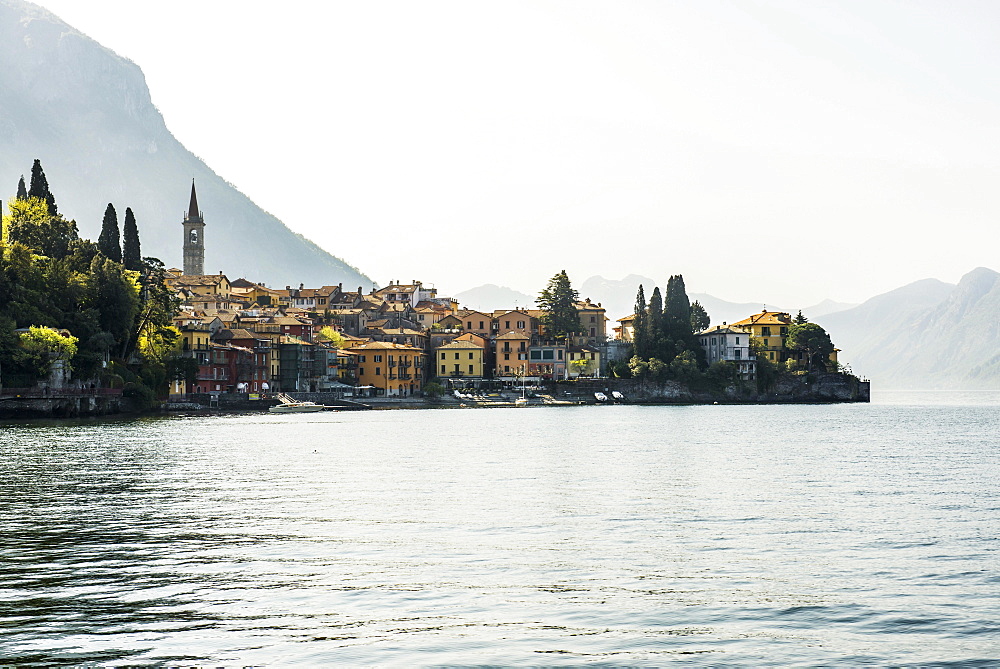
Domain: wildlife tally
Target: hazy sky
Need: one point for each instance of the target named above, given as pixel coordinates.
(769, 151)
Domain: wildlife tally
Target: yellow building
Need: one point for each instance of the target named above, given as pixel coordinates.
(770, 328)
(461, 359)
(511, 354)
(394, 370)
(593, 321)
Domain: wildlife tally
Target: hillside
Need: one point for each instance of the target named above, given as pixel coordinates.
(928, 334)
(86, 113)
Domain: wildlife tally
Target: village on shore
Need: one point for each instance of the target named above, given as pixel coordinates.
(405, 339)
(178, 336)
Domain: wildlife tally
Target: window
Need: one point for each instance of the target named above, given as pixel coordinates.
(470, 325)
(765, 331)
(470, 369)
(443, 368)
(443, 354)
(456, 355)
(520, 325)
(593, 319)
(548, 354)
(765, 342)
(361, 371)
(536, 355)
(506, 356)
(507, 324)
(560, 354)
(737, 353)
(480, 325)
(737, 341)
(470, 355)
(378, 371)
(593, 332)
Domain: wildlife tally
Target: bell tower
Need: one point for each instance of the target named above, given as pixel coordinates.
(194, 237)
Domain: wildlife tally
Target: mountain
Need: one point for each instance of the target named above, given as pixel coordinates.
(489, 297)
(928, 334)
(86, 113)
(617, 297)
(825, 308)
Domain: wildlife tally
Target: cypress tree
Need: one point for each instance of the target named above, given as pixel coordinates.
(677, 310)
(640, 333)
(40, 187)
(22, 192)
(109, 243)
(654, 322)
(131, 253)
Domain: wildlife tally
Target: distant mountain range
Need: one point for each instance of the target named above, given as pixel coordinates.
(86, 113)
(928, 334)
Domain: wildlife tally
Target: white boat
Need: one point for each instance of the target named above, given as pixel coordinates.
(291, 405)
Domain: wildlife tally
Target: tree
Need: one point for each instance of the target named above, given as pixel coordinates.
(800, 319)
(677, 310)
(31, 224)
(22, 192)
(813, 340)
(40, 188)
(334, 338)
(131, 252)
(640, 333)
(699, 317)
(654, 319)
(581, 367)
(42, 346)
(558, 301)
(109, 243)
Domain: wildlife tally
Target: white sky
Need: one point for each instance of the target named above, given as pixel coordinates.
(781, 152)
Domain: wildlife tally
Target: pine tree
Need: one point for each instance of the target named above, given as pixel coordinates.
(131, 253)
(109, 243)
(40, 187)
(699, 317)
(558, 301)
(800, 319)
(22, 192)
(640, 332)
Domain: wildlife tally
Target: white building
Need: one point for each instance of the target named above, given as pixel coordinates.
(729, 344)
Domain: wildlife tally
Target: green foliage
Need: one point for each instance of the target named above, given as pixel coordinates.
(638, 368)
(30, 223)
(22, 192)
(109, 243)
(433, 389)
(811, 339)
(699, 317)
(800, 319)
(131, 249)
(332, 337)
(581, 366)
(42, 346)
(558, 302)
(640, 332)
(40, 188)
(48, 275)
(722, 374)
(181, 368)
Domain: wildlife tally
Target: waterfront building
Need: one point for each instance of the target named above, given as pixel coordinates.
(729, 343)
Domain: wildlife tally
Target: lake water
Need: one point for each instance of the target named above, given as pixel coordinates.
(810, 534)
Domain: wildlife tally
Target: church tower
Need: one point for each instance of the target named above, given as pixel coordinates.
(194, 237)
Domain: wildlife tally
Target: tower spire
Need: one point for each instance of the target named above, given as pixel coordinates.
(193, 208)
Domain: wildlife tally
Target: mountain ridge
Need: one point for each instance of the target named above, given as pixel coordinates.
(87, 113)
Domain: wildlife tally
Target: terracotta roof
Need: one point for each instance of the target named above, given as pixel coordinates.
(462, 343)
(514, 334)
(766, 318)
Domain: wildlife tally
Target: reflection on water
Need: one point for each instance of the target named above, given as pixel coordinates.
(617, 535)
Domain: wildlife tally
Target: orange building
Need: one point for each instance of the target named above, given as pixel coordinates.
(394, 370)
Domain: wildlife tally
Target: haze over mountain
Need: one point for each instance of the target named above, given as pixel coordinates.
(86, 113)
(927, 334)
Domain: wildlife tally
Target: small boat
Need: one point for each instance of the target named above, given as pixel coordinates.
(600, 397)
(291, 405)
